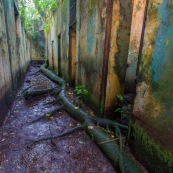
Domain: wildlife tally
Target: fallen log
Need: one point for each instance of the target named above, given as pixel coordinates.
(114, 152)
(32, 93)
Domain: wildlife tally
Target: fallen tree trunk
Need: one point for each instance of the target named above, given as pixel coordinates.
(114, 152)
(31, 93)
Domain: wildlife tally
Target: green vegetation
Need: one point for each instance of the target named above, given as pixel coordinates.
(80, 90)
(45, 8)
(35, 13)
(146, 148)
(121, 107)
(30, 17)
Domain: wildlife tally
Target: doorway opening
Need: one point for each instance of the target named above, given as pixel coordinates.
(59, 55)
(72, 55)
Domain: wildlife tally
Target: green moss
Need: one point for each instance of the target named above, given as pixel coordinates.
(147, 54)
(92, 102)
(153, 155)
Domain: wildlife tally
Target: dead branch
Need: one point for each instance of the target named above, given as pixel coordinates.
(52, 102)
(26, 89)
(80, 127)
(32, 93)
(48, 114)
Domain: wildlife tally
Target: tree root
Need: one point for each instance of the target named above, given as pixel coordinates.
(35, 73)
(80, 127)
(114, 152)
(48, 114)
(32, 93)
(52, 102)
(26, 89)
(56, 92)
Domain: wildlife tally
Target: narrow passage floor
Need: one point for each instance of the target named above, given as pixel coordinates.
(74, 153)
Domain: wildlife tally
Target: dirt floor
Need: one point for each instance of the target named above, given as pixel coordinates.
(75, 153)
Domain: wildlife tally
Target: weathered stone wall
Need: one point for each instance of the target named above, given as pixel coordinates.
(151, 67)
(86, 39)
(91, 31)
(14, 54)
(126, 50)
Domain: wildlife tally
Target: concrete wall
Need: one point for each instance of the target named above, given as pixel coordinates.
(123, 47)
(14, 54)
(91, 45)
(86, 39)
(150, 55)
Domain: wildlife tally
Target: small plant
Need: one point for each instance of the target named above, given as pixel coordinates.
(121, 107)
(80, 90)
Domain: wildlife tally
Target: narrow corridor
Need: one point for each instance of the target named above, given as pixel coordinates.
(75, 153)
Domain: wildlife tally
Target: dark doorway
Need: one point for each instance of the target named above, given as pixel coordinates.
(53, 66)
(72, 55)
(72, 43)
(59, 55)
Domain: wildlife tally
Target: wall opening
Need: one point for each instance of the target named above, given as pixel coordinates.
(53, 65)
(72, 12)
(72, 43)
(59, 55)
(72, 55)
(16, 15)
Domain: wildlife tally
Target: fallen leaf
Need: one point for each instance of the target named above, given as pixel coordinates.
(90, 127)
(71, 124)
(5, 134)
(81, 142)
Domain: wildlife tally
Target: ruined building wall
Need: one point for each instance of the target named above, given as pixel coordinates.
(14, 53)
(83, 49)
(151, 64)
(117, 47)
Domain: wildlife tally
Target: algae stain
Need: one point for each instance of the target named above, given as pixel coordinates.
(152, 153)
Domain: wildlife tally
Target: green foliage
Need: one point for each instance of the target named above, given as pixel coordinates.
(46, 27)
(30, 17)
(34, 13)
(120, 98)
(121, 107)
(45, 9)
(147, 148)
(80, 90)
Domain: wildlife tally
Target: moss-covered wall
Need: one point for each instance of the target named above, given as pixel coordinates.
(14, 54)
(91, 45)
(153, 103)
(90, 29)
(119, 46)
(136, 36)
(155, 157)
(59, 27)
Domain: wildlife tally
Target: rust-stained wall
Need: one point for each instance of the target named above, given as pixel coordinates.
(14, 54)
(59, 27)
(153, 109)
(90, 47)
(136, 38)
(124, 47)
(119, 46)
